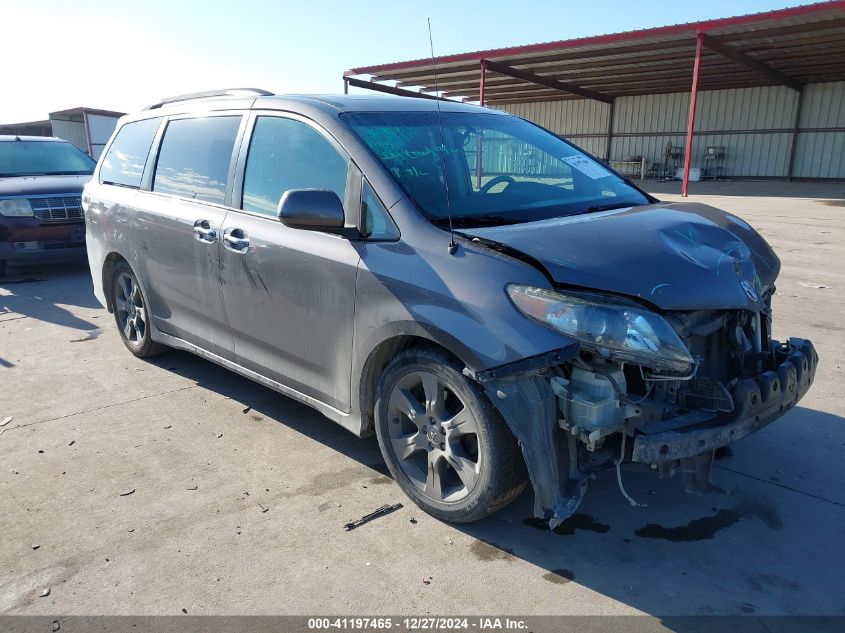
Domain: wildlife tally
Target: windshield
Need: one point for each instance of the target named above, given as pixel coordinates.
(43, 158)
(524, 173)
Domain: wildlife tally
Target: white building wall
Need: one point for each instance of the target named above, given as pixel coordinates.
(100, 128)
(753, 124)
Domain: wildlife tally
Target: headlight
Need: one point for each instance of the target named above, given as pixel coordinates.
(16, 207)
(613, 329)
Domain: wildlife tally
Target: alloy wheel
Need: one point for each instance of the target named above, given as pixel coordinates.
(434, 436)
(130, 309)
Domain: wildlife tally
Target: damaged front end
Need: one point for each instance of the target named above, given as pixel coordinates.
(665, 390)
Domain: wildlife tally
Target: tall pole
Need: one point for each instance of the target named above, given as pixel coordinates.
(345, 86)
(693, 98)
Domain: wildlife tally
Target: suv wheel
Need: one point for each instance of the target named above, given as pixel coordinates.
(443, 441)
(131, 314)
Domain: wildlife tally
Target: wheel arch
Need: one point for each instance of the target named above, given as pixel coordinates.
(378, 358)
(110, 262)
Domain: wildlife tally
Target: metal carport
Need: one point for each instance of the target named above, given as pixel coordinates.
(790, 47)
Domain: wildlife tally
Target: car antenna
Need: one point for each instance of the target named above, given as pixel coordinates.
(453, 245)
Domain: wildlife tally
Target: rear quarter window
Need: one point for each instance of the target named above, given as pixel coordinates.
(124, 163)
(193, 161)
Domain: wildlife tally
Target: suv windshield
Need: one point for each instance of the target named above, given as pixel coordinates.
(43, 158)
(524, 173)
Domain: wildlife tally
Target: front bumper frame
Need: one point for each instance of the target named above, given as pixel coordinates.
(758, 401)
(529, 406)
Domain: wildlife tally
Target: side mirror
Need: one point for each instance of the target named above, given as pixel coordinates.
(311, 210)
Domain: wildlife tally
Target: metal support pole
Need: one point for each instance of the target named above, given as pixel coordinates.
(691, 119)
(795, 130)
(345, 86)
(609, 129)
(478, 137)
(483, 81)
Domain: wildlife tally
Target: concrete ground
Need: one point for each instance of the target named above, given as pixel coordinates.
(171, 486)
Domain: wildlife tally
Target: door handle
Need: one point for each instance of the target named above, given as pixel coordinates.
(236, 240)
(204, 232)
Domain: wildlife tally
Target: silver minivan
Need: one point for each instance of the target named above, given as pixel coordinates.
(494, 304)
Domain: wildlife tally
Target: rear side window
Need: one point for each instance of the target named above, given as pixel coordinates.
(285, 154)
(127, 155)
(193, 161)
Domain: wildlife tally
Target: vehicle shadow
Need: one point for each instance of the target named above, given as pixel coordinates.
(751, 548)
(24, 292)
(762, 545)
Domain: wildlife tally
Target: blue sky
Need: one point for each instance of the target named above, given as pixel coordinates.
(124, 55)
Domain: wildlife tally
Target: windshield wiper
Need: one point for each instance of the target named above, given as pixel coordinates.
(476, 220)
(610, 206)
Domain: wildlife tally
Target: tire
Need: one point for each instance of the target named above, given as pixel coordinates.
(132, 315)
(443, 441)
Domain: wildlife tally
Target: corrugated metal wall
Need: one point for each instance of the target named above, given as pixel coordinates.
(100, 127)
(822, 154)
(73, 131)
(753, 124)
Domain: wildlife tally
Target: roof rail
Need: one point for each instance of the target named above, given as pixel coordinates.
(225, 92)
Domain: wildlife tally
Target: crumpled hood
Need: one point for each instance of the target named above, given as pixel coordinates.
(679, 256)
(41, 185)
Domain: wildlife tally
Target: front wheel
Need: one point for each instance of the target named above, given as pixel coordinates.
(443, 441)
(132, 315)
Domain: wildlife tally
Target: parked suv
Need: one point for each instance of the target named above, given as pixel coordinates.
(41, 182)
(490, 301)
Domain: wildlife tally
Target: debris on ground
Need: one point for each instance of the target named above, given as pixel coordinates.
(427, 581)
(263, 509)
(378, 512)
(809, 284)
(194, 487)
(413, 520)
(44, 593)
(169, 426)
(35, 546)
(127, 493)
(7, 420)
(248, 409)
(71, 443)
(219, 436)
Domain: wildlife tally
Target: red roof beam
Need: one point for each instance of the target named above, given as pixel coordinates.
(678, 29)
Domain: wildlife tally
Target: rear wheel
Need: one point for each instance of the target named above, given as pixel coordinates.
(444, 443)
(132, 315)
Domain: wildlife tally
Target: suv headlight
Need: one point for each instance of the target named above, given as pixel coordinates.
(16, 207)
(611, 328)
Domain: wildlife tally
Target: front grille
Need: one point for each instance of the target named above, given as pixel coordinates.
(57, 209)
